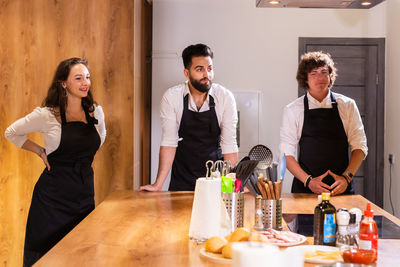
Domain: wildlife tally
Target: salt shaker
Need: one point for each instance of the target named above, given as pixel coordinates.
(342, 236)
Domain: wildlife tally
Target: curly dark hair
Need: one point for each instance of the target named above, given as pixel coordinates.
(198, 50)
(56, 95)
(312, 60)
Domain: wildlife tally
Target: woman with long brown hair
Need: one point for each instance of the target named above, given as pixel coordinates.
(73, 128)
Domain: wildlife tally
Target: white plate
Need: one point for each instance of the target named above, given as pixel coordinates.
(302, 240)
(312, 248)
(214, 257)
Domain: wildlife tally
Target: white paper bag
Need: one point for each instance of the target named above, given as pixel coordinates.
(206, 210)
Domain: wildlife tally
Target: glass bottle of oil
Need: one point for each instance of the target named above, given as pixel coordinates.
(325, 222)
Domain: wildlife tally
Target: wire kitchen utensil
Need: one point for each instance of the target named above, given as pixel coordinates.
(227, 167)
(264, 155)
(219, 166)
(209, 168)
(217, 169)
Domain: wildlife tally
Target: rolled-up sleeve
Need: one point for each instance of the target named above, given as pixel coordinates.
(289, 139)
(101, 126)
(355, 129)
(169, 122)
(33, 122)
(228, 125)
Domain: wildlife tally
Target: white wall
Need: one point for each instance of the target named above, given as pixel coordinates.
(392, 131)
(255, 49)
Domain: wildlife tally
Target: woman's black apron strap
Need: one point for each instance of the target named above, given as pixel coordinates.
(63, 118)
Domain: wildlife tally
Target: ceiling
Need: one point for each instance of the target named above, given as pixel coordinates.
(351, 4)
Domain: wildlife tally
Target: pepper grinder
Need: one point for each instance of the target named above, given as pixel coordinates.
(353, 232)
(358, 214)
(355, 226)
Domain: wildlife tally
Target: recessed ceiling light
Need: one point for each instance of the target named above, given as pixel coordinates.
(274, 2)
(366, 3)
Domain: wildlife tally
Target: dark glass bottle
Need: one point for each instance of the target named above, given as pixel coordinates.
(325, 222)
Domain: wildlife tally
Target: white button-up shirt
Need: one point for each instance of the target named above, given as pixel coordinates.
(293, 119)
(171, 110)
(43, 120)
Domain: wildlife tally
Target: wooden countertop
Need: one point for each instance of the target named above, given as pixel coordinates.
(151, 229)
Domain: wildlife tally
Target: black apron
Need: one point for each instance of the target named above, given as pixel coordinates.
(63, 196)
(323, 145)
(200, 135)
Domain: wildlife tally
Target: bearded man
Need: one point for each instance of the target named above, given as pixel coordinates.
(199, 120)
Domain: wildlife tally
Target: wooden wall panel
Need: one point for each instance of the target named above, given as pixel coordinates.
(142, 92)
(34, 37)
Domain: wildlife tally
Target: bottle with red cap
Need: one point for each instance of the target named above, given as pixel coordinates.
(369, 232)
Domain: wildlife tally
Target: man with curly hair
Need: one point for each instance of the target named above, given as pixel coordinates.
(319, 128)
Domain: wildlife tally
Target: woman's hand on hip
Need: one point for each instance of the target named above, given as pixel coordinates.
(317, 186)
(340, 184)
(43, 155)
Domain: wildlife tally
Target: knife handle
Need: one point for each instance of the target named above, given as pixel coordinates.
(269, 196)
(271, 188)
(278, 189)
(262, 190)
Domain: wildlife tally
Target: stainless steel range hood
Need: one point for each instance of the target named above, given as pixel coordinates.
(355, 4)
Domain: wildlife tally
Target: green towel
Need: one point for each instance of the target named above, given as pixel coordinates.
(227, 184)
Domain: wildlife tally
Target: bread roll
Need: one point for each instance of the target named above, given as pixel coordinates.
(215, 244)
(256, 237)
(240, 234)
(228, 237)
(227, 251)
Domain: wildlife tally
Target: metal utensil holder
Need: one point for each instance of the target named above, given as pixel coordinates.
(271, 211)
(234, 204)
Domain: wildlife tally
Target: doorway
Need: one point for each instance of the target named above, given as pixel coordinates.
(360, 63)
